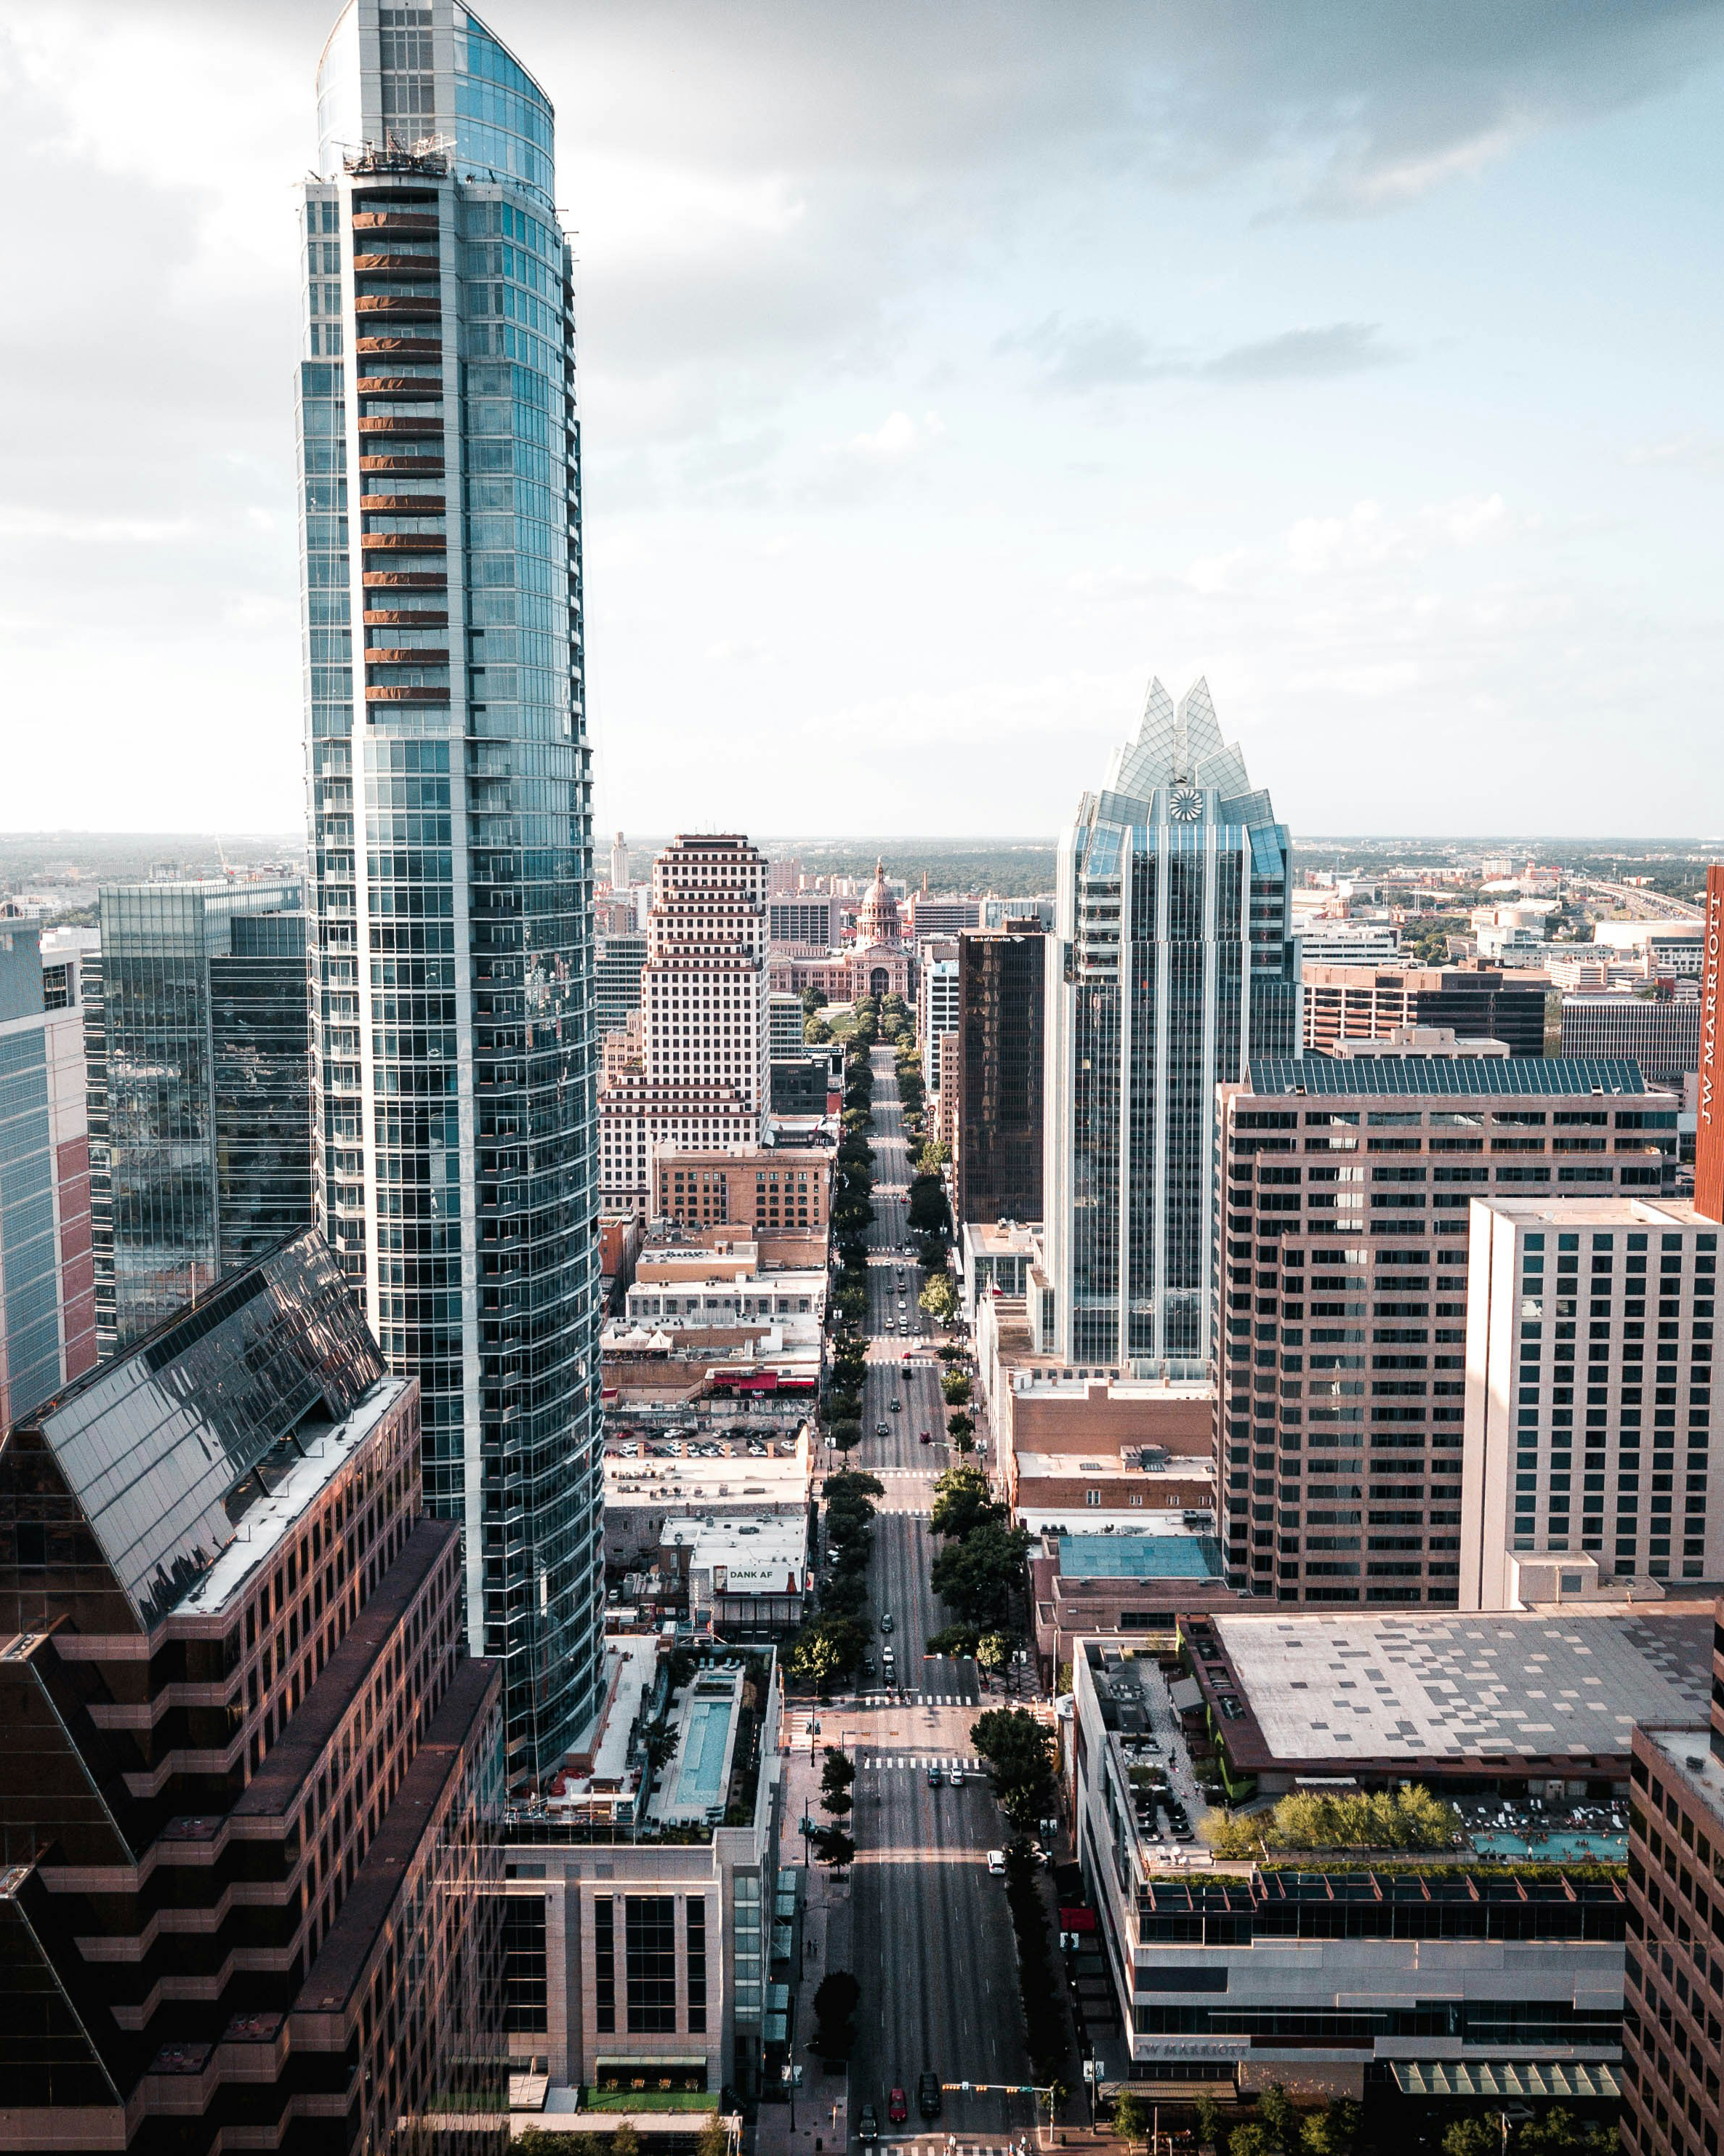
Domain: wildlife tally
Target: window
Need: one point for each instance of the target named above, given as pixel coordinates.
(694, 1933)
(604, 1964)
(524, 1964)
(650, 1951)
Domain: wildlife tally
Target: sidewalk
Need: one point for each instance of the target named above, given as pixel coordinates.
(820, 2109)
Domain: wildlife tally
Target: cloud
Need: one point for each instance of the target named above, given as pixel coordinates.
(1304, 354)
(1695, 453)
(1084, 356)
(898, 436)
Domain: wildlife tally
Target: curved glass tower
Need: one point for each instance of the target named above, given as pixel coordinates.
(450, 901)
(1171, 965)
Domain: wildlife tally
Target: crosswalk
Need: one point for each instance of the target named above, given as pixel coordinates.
(915, 1764)
(915, 1699)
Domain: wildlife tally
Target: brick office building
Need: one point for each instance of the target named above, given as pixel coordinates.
(1342, 1220)
(1476, 1003)
(245, 1896)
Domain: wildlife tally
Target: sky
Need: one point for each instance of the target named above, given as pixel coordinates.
(948, 367)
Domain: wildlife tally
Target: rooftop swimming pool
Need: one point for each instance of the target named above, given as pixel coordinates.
(701, 1781)
(1555, 1848)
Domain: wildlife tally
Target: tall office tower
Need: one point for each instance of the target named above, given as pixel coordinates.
(1171, 966)
(705, 1079)
(621, 960)
(451, 902)
(229, 1645)
(1340, 1332)
(196, 1042)
(47, 1301)
(996, 1148)
(619, 862)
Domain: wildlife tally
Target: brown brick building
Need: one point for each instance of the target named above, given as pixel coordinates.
(1673, 2031)
(1343, 1203)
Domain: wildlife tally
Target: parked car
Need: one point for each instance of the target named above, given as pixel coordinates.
(997, 1863)
(868, 2125)
(928, 2095)
(897, 2106)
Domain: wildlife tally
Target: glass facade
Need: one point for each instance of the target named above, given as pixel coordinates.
(196, 1042)
(449, 793)
(1175, 964)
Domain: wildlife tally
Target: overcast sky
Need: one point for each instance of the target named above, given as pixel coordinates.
(949, 366)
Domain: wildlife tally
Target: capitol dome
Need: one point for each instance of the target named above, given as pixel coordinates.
(877, 917)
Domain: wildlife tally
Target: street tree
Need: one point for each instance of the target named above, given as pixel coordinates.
(847, 1434)
(1130, 2117)
(979, 1575)
(962, 1501)
(1280, 2117)
(960, 1428)
(939, 1298)
(827, 1649)
(1020, 1764)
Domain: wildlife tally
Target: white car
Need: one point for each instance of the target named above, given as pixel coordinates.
(997, 1863)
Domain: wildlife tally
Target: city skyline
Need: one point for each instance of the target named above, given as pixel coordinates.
(1384, 489)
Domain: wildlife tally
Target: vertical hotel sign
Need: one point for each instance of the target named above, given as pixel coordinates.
(1709, 1130)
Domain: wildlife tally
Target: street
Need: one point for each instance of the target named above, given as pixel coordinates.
(931, 1938)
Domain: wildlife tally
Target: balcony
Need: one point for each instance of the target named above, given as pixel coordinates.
(401, 347)
(407, 222)
(426, 386)
(418, 580)
(409, 505)
(413, 696)
(422, 305)
(384, 656)
(383, 617)
(397, 265)
(430, 467)
(400, 423)
(404, 542)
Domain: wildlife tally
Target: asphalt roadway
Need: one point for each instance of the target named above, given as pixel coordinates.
(932, 1941)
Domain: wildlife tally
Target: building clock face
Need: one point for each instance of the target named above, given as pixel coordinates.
(1185, 804)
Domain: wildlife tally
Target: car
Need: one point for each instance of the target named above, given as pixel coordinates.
(928, 2095)
(895, 1406)
(897, 2107)
(870, 1667)
(885, 1620)
(869, 2125)
(997, 1863)
(956, 1778)
(882, 1430)
(928, 1437)
(935, 1778)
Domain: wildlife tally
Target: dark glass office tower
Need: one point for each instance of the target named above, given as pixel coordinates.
(451, 901)
(997, 1161)
(195, 1047)
(1171, 967)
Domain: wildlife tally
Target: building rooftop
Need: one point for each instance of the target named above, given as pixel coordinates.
(1600, 1212)
(1434, 1688)
(1436, 1074)
(761, 1555)
(1155, 1556)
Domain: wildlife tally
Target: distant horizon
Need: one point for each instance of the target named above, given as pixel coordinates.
(962, 840)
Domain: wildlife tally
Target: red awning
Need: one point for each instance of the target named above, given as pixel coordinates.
(1077, 1920)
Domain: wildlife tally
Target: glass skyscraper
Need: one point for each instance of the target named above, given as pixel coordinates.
(1171, 965)
(450, 903)
(195, 1050)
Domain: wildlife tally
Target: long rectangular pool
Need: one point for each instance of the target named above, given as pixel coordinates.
(1555, 1848)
